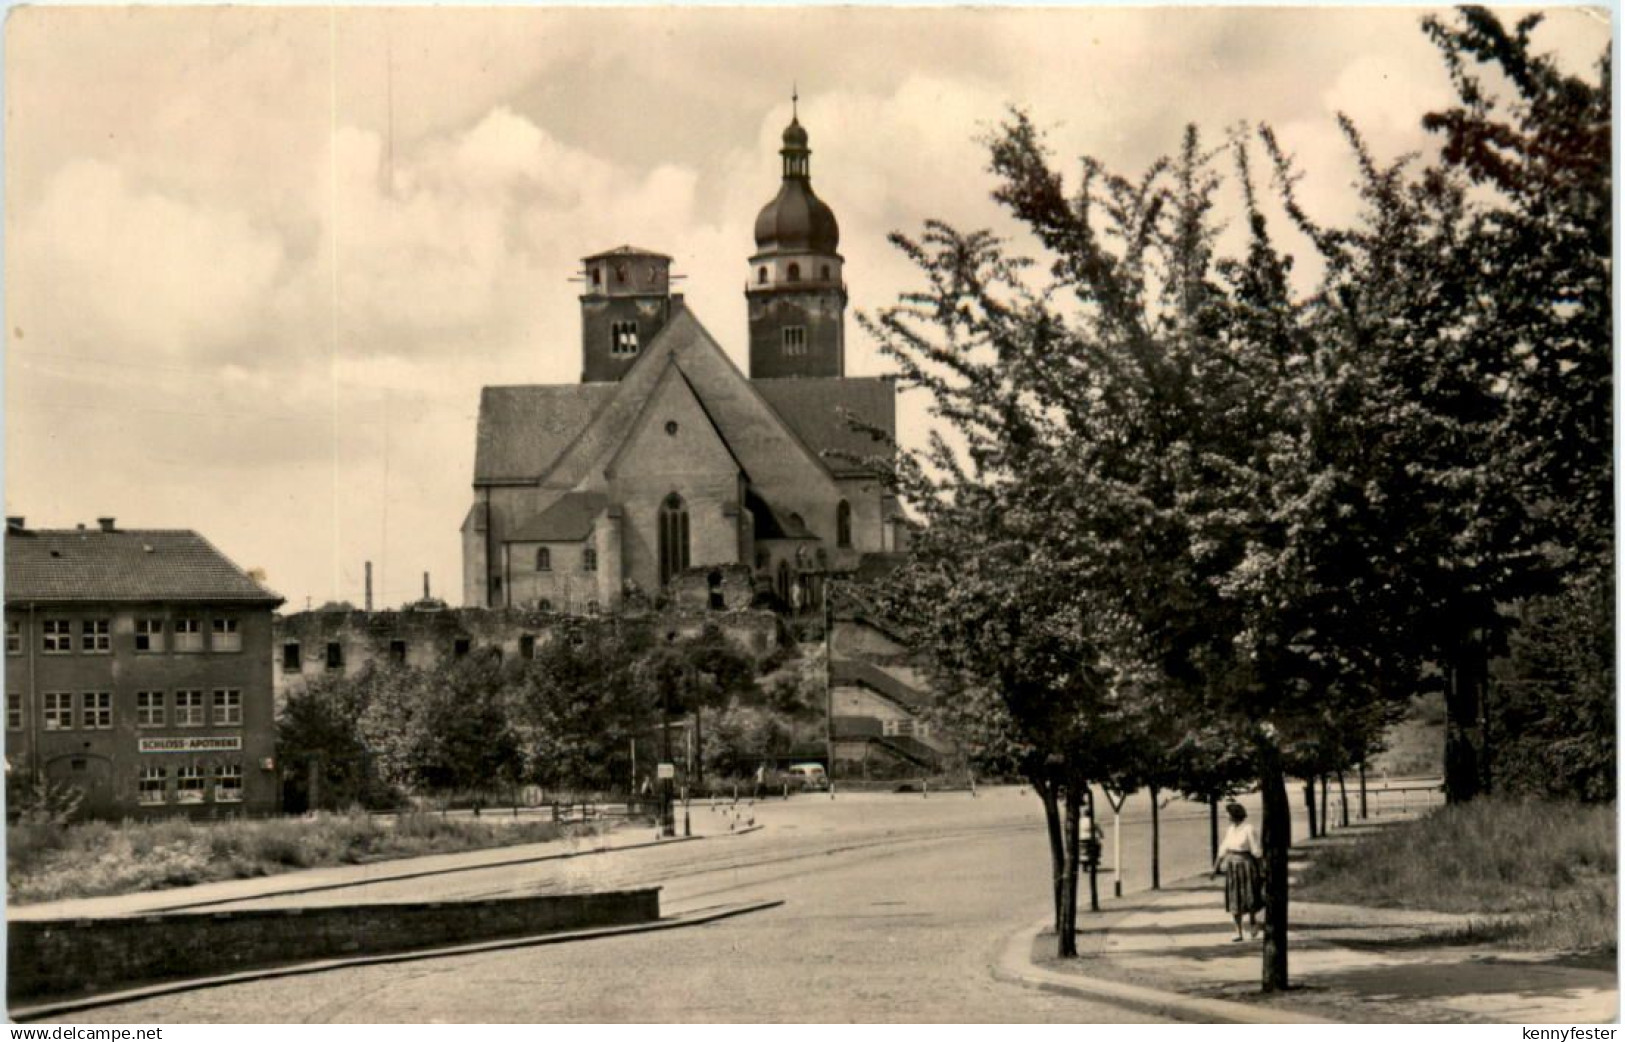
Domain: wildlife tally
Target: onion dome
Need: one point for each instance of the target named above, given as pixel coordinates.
(796, 220)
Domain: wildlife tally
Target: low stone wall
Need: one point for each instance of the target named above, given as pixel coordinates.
(56, 957)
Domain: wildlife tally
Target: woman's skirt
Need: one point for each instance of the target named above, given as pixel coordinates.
(1243, 884)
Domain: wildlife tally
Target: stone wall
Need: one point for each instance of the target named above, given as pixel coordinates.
(65, 956)
(426, 639)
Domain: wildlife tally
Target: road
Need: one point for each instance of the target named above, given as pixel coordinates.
(895, 907)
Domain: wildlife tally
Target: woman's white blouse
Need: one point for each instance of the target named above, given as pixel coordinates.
(1242, 837)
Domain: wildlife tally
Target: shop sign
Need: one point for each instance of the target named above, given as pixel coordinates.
(193, 744)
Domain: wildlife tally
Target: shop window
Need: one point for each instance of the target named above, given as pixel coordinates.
(228, 783)
(154, 785)
(189, 784)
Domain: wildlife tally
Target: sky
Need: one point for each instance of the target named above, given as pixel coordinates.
(260, 261)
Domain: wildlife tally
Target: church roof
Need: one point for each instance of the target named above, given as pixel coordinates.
(522, 430)
(569, 519)
(813, 406)
(628, 251)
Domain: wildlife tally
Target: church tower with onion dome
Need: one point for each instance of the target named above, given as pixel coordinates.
(796, 297)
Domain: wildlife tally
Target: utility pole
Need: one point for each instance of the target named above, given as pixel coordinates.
(829, 687)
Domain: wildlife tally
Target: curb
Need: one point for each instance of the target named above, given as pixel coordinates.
(696, 917)
(1015, 966)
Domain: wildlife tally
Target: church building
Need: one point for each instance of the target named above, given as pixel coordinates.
(667, 462)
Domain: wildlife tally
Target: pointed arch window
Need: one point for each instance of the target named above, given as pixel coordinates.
(761, 275)
(794, 272)
(673, 537)
(843, 525)
(544, 559)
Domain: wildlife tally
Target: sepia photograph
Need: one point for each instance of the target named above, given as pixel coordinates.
(794, 515)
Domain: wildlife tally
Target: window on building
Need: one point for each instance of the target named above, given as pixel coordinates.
(898, 728)
(149, 635)
(14, 712)
(228, 707)
(397, 652)
(673, 537)
(784, 581)
(149, 709)
(96, 635)
(589, 560)
(823, 273)
(335, 655)
(597, 277)
(188, 634)
(544, 559)
(843, 524)
(58, 636)
(188, 709)
(460, 647)
(97, 714)
(228, 783)
(291, 658)
(620, 273)
(14, 636)
(58, 711)
(793, 272)
(154, 785)
(527, 646)
(189, 784)
(761, 275)
(227, 635)
(623, 337)
(795, 340)
(544, 605)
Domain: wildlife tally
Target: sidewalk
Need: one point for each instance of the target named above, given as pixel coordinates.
(1348, 963)
(204, 895)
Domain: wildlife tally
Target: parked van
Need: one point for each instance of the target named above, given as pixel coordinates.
(810, 776)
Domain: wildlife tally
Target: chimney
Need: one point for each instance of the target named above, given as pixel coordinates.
(369, 586)
(14, 524)
(425, 585)
(106, 523)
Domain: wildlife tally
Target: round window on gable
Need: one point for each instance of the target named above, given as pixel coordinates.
(671, 427)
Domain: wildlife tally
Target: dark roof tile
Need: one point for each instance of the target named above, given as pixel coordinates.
(53, 565)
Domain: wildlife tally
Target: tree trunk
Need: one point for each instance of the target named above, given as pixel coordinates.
(1461, 709)
(1057, 846)
(1325, 815)
(1309, 801)
(1156, 843)
(699, 752)
(1277, 839)
(1067, 940)
(1362, 791)
(1094, 863)
(1212, 829)
(1343, 797)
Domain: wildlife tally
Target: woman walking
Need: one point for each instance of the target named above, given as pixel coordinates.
(1239, 857)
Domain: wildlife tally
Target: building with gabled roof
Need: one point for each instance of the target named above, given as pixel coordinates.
(138, 670)
(667, 459)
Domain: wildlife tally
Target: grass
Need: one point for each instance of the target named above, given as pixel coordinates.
(1533, 875)
(50, 862)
